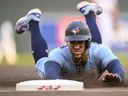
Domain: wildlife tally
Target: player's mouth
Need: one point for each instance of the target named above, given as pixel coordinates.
(77, 54)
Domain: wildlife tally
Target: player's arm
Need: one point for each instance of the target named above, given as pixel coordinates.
(54, 64)
(108, 61)
(116, 72)
(52, 70)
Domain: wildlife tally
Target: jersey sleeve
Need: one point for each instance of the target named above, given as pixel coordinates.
(56, 55)
(105, 56)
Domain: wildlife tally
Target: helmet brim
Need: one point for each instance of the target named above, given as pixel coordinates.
(76, 38)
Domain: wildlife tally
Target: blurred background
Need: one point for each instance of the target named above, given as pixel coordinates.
(56, 14)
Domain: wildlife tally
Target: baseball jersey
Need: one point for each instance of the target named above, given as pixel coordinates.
(99, 57)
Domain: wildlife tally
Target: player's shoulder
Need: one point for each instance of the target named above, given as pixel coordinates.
(61, 49)
(95, 47)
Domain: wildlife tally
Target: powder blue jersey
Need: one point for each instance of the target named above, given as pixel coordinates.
(98, 58)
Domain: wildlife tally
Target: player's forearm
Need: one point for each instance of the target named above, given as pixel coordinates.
(116, 68)
(52, 70)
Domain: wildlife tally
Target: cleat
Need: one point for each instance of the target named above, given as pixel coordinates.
(34, 14)
(85, 7)
(22, 24)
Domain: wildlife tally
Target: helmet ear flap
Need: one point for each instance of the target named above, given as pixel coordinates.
(88, 43)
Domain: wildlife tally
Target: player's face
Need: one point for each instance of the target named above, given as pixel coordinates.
(77, 48)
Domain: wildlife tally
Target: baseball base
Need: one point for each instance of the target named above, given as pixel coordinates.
(50, 85)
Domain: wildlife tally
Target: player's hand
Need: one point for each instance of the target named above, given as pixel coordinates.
(112, 79)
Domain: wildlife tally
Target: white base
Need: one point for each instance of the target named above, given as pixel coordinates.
(50, 85)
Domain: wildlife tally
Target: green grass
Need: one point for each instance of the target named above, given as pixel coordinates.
(123, 57)
(22, 59)
(27, 59)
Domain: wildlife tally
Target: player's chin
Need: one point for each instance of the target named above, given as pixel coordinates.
(77, 56)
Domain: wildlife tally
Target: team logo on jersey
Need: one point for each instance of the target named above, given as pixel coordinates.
(75, 30)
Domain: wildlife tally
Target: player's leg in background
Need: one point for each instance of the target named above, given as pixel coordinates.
(89, 11)
(38, 43)
(30, 22)
(91, 22)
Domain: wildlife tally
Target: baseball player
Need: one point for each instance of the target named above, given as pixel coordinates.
(79, 56)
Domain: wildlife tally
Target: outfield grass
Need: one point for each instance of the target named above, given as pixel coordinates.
(22, 59)
(123, 57)
(27, 59)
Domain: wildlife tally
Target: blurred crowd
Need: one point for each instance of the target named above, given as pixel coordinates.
(7, 43)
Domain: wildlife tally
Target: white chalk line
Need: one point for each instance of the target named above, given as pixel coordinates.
(85, 90)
